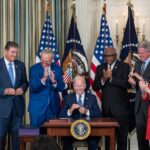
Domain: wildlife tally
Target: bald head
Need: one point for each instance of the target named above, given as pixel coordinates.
(110, 50)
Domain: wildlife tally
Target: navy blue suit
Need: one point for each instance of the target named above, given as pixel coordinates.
(90, 103)
(44, 102)
(11, 107)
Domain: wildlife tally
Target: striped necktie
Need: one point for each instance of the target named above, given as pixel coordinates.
(11, 74)
(80, 101)
(142, 68)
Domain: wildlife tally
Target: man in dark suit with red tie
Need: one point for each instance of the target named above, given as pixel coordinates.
(80, 104)
(13, 85)
(112, 79)
(142, 69)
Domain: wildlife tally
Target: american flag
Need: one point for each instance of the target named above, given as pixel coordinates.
(67, 76)
(104, 40)
(48, 40)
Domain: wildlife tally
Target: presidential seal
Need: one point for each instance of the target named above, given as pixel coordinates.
(80, 129)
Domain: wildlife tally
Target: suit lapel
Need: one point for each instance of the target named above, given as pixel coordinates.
(75, 98)
(147, 69)
(115, 68)
(53, 68)
(139, 68)
(105, 66)
(5, 71)
(17, 73)
(85, 101)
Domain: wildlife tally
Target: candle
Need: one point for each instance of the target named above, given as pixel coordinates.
(116, 27)
(124, 19)
(143, 27)
(137, 22)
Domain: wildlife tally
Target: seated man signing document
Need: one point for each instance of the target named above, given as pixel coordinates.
(80, 105)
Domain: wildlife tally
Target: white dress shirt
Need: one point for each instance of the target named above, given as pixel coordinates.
(13, 67)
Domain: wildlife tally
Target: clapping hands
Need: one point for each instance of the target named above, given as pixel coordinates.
(107, 74)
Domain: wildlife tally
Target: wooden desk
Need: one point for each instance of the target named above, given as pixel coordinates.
(99, 127)
(26, 139)
(27, 134)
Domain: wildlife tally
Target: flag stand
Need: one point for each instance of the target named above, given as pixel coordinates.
(129, 143)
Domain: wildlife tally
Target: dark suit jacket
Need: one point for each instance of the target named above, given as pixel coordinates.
(6, 101)
(114, 92)
(43, 95)
(146, 76)
(90, 103)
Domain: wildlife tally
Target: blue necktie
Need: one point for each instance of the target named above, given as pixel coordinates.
(80, 101)
(11, 74)
(143, 68)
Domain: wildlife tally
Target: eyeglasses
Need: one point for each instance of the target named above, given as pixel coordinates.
(45, 62)
(112, 55)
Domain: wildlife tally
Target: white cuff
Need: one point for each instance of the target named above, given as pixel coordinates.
(88, 113)
(68, 113)
(42, 82)
(55, 84)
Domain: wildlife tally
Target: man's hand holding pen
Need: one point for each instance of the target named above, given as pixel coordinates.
(81, 109)
(74, 107)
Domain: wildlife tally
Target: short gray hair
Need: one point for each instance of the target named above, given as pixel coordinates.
(47, 51)
(144, 44)
(79, 77)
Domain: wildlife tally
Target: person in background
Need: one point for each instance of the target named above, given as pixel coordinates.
(44, 142)
(112, 79)
(145, 89)
(80, 104)
(13, 85)
(45, 81)
(142, 68)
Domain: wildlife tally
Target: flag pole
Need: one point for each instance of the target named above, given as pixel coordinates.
(71, 66)
(47, 11)
(127, 60)
(129, 56)
(47, 7)
(131, 6)
(104, 8)
(104, 12)
(74, 32)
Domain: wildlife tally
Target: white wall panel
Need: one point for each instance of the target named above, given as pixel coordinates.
(89, 15)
